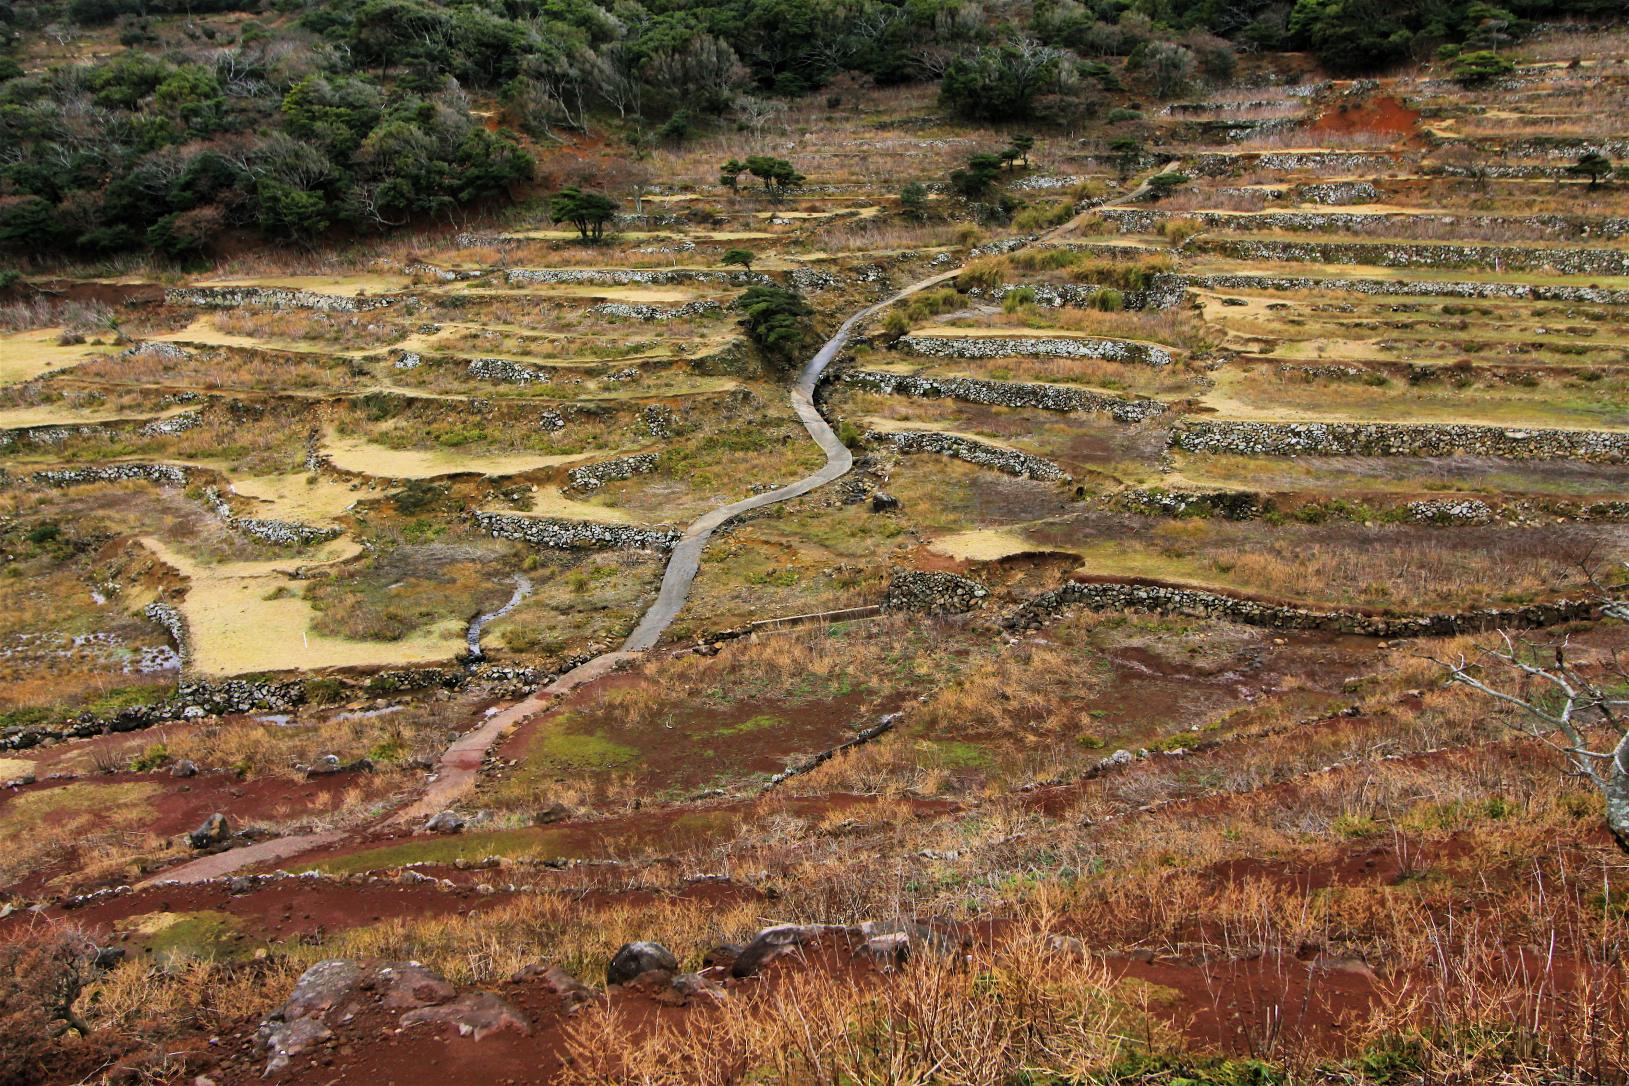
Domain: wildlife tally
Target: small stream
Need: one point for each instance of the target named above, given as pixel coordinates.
(523, 588)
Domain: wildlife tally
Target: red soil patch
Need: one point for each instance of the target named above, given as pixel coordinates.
(1381, 116)
(187, 801)
(282, 909)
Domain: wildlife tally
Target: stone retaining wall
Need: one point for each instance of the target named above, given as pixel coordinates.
(1249, 505)
(933, 593)
(1215, 163)
(162, 474)
(571, 534)
(1004, 394)
(640, 312)
(615, 277)
(1398, 439)
(192, 700)
(1010, 461)
(1114, 350)
(1421, 288)
(1167, 599)
(502, 369)
(594, 476)
(272, 298)
(283, 533)
(1166, 292)
(1147, 220)
(1568, 261)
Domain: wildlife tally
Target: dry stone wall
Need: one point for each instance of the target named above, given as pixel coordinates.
(1147, 220)
(502, 369)
(1417, 288)
(571, 534)
(1398, 439)
(933, 593)
(272, 298)
(1115, 350)
(1009, 461)
(1168, 599)
(1005, 394)
(641, 312)
(594, 476)
(1570, 260)
(616, 277)
(1166, 292)
(162, 474)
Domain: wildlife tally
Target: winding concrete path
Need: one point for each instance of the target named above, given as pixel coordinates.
(460, 764)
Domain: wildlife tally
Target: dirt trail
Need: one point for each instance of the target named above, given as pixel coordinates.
(460, 764)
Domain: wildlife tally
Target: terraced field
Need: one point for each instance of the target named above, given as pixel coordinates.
(1089, 592)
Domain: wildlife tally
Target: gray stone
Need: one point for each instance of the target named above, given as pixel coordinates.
(636, 959)
(213, 831)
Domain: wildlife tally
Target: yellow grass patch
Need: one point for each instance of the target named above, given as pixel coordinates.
(250, 616)
(63, 414)
(361, 455)
(549, 501)
(26, 355)
(347, 285)
(297, 497)
(986, 545)
(12, 768)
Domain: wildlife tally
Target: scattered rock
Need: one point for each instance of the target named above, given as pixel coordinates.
(445, 822)
(213, 831)
(635, 959)
(474, 1014)
(772, 943)
(884, 503)
(186, 767)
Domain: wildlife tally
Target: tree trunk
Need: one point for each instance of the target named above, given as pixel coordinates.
(1616, 790)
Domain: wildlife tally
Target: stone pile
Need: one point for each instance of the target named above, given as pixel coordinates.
(933, 593)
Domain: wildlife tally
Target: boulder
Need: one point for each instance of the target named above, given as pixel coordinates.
(445, 822)
(409, 985)
(573, 993)
(884, 503)
(636, 959)
(722, 954)
(473, 1014)
(213, 831)
(186, 767)
(772, 943)
(554, 812)
(887, 952)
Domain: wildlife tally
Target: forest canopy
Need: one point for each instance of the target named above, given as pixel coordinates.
(296, 117)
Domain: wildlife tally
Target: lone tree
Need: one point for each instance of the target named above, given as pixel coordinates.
(913, 201)
(1582, 710)
(729, 174)
(777, 174)
(1162, 185)
(1593, 165)
(1022, 145)
(776, 320)
(741, 257)
(1481, 66)
(976, 180)
(587, 211)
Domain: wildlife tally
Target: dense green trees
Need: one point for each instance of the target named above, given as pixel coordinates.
(307, 116)
(777, 321)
